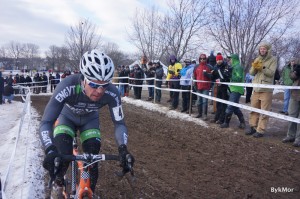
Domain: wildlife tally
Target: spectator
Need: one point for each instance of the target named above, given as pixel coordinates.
(221, 73)
(37, 83)
(185, 82)
(10, 80)
(173, 77)
(57, 79)
(1, 87)
(138, 76)
(263, 68)
(237, 76)
(286, 80)
(126, 86)
(28, 80)
(124, 75)
(202, 73)
(248, 79)
(44, 82)
(52, 82)
(8, 93)
(211, 60)
(159, 73)
(293, 134)
(16, 81)
(22, 84)
(150, 73)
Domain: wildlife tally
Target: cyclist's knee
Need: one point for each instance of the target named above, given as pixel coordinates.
(92, 145)
(63, 143)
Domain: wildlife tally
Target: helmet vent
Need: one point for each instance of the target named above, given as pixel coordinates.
(97, 61)
(105, 60)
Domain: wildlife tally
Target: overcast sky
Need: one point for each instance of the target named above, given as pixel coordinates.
(46, 22)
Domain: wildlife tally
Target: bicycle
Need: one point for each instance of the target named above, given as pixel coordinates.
(78, 186)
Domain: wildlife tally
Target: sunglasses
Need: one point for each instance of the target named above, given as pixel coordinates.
(202, 58)
(95, 85)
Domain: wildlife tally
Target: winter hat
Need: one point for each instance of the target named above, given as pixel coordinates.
(219, 57)
(187, 61)
(172, 57)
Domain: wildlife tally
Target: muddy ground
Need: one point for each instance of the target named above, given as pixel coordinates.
(177, 159)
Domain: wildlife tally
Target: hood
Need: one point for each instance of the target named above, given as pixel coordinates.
(268, 47)
(235, 61)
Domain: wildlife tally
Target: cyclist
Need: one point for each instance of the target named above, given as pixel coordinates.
(75, 106)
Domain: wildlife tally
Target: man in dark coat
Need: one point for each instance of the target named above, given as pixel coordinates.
(1, 87)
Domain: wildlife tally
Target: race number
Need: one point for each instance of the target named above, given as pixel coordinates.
(118, 113)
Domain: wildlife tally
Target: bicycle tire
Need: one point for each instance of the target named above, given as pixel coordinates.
(68, 179)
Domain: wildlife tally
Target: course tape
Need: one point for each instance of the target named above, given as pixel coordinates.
(226, 83)
(272, 114)
(269, 113)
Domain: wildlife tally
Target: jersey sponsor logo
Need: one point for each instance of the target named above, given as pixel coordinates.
(46, 138)
(80, 111)
(118, 113)
(66, 92)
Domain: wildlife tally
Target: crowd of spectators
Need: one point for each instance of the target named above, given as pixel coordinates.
(210, 74)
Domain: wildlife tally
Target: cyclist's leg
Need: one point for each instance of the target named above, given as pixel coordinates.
(91, 143)
(63, 135)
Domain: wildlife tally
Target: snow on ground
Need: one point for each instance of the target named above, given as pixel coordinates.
(21, 182)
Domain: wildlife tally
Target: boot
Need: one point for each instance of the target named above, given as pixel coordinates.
(227, 120)
(199, 112)
(205, 118)
(242, 120)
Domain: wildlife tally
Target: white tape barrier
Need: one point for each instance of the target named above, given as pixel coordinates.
(12, 157)
(269, 113)
(276, 115)
(226, 83)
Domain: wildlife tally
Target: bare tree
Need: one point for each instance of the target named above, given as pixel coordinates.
(157, 35)
(30, 51)
(118, 57)
(3, 52)
(81, 38)
(238, 26)
(58, 58)
(145, 33)
(184, 26)
(15, 50)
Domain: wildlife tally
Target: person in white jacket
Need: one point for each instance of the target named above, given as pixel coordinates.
(185, 84)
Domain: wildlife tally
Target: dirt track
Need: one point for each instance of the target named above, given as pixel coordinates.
(176, 159)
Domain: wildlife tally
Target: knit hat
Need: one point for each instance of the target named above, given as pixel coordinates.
(172, 57)
(219, 57)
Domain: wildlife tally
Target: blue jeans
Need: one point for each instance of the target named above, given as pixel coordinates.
(234, 97)
(286, 100)
(151, 92)
(9, 98)
(121, 90)
(158, 91)
(202, 101)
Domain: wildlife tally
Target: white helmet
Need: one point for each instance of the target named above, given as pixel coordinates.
(96, 65)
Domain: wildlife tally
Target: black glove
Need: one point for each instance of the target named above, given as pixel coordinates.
(125, 164)
(48, 163)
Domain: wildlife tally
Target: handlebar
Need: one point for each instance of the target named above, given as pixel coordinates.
(89, 157)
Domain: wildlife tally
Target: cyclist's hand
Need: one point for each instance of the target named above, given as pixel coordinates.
(126, 159)
(48, 162)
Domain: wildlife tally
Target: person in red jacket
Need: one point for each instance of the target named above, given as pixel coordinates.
(202, 74)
